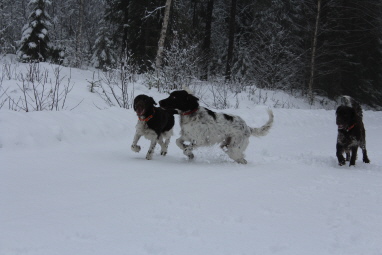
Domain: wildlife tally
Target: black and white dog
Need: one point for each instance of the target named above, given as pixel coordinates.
(351, 131)
(203, 127)
(154, 123)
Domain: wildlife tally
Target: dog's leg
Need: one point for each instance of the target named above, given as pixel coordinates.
(224, 145)
(150, 153)
(180, 143)
(163, 142)
(237, 155)
(363, 146)
(347, 155)
(365, 157)
(340, 157)
(235, 149)
(364, 153)
(134, 146)
(353, 157)
(187, 149)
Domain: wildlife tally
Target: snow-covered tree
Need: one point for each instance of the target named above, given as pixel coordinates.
(162, 38)
(35, 44)
(180, 65)
(104, 53)
(276, 45)
(12, 18)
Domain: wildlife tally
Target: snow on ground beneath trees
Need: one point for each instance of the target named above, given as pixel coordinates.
(69, 184)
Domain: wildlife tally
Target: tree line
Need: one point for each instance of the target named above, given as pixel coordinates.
(310, 47)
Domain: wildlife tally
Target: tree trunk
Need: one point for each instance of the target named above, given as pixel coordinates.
(159, 57)
(231, 37)
(207, 40)
(194, 4)
(79, 37)
(125, 26)
(314, 48)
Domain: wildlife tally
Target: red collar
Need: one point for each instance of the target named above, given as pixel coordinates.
(351, 127)
(147, 118)
(190, 112)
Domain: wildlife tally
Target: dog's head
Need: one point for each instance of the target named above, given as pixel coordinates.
(143, 105)
(180, 100)
(345, 117)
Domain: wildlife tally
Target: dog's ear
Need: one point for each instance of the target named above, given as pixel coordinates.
(192, 98)
(152, 101)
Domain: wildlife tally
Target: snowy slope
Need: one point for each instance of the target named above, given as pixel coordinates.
(69, 184)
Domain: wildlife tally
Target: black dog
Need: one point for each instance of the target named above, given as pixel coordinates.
(154, 123)
(351, 131)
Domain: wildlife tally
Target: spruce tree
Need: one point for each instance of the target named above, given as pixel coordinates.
(35, 44)
(104, 55)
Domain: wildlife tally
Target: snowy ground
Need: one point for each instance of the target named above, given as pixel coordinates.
(69, 184)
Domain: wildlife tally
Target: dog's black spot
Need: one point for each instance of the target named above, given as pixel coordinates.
(211, 113)
(228, 117)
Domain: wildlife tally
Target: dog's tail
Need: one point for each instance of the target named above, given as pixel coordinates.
(262, 131)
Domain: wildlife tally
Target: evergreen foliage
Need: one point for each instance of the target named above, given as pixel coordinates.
(104, 55)
(272, 40)
(35, 44)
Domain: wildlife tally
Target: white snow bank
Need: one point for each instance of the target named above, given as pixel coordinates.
(42, 129)
(69, 184)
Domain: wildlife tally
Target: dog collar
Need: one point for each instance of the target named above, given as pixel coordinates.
(351, 127)
(147, 118)
(190, 112)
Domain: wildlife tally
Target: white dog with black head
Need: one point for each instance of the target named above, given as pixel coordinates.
(203, 127)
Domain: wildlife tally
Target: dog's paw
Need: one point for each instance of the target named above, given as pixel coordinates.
(341, 163)
(241, 161)
(224, 148)
(136, 148)
(149, 156)
(366, 160)
(352, 163)
(188, 152)
(163, 153)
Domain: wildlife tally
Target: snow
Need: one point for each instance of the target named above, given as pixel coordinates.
(38, 12)
(32, 45)
(69, 184)
(27, 33)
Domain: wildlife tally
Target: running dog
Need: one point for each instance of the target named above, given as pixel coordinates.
(203, 127)
(154, 123)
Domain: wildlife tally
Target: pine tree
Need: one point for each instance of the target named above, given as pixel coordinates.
(274, 45)
(104, 55)
(231, 38)
(12, 18)
(35, 44)
(206, 46)
(348, 56)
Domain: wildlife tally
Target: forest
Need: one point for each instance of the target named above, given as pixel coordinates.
(309, 48)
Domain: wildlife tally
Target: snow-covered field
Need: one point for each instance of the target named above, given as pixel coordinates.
(70, 185)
